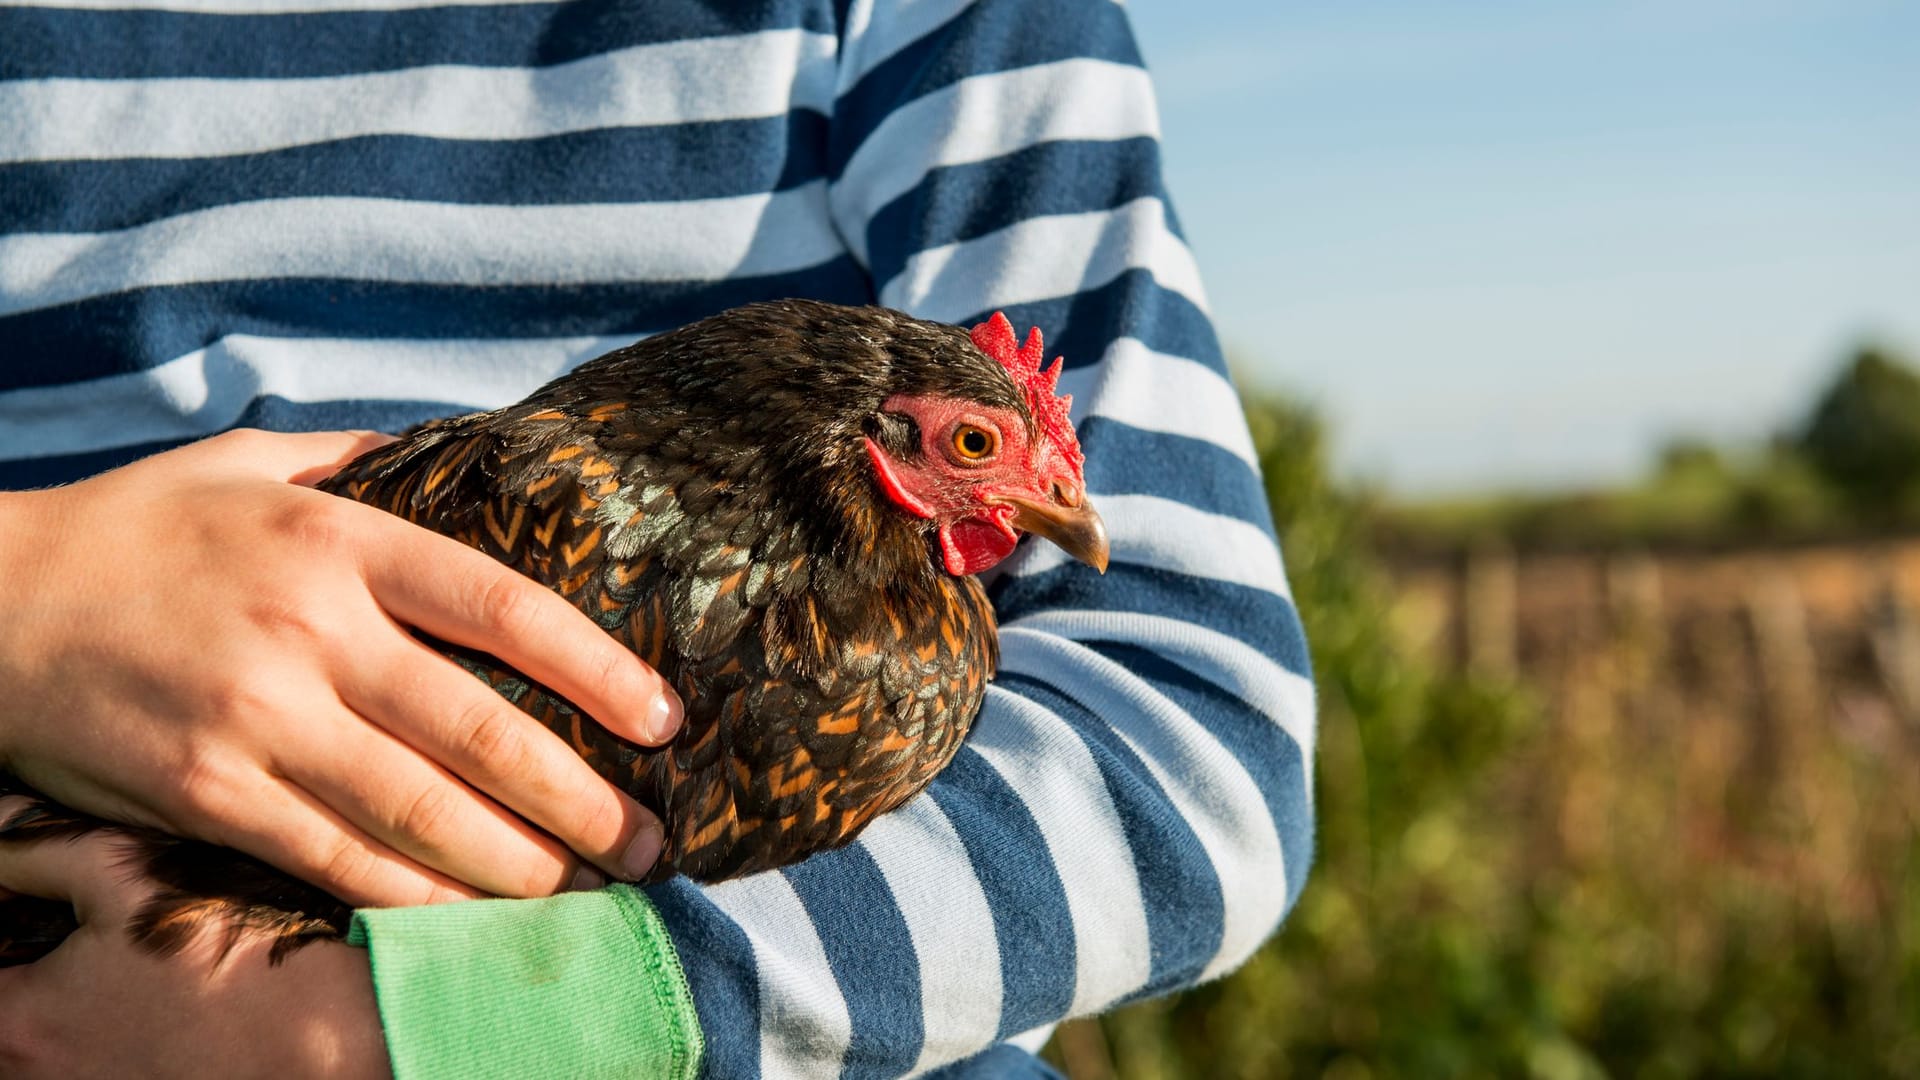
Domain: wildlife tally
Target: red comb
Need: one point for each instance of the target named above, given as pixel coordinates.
(995, 338)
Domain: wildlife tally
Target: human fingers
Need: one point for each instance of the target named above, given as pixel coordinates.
(457, 721)
(277, 821)
(460, 595)
(402, 799)
(232, 799)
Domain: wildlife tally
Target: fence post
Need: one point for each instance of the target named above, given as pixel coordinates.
(1893, 632)
(1490, 610)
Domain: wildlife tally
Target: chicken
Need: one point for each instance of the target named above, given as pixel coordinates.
(782, 509)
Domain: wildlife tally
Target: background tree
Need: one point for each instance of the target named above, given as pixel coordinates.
(1864, 434)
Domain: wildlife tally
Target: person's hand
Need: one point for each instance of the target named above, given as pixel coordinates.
(100, 1005)
(195, 643)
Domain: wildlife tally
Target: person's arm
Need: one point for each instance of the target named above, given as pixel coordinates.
(1133, 812)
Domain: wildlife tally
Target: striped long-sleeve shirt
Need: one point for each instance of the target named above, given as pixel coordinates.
(305, 214)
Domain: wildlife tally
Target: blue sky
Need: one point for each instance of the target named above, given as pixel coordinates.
(1523, 244)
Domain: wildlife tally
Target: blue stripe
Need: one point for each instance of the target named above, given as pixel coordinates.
(990, 36)
(271, 412)
(962, 202)
(1002, 1062)
(1124, 460)
(1081, 325)
(1268, 753)
(718, 961)
(52, 43)
(1264, 620)
(872, 957)
(139, 329)
(1179, 888)
(142, 328)
(1031, 923)
(609, 165)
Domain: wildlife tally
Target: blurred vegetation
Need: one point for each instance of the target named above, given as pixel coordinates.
(1635, 857)
(1850, 468)
(1864, 436)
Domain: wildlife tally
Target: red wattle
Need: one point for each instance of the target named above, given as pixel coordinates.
(972, 545)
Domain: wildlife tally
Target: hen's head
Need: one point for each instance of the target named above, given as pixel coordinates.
(984, 451)
(868, 424)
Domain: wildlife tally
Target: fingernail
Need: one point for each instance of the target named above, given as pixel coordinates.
(663, 719)
(643, 852)
(587, 879)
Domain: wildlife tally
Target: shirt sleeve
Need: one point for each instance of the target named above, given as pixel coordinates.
(580, 986)
(1133, 812)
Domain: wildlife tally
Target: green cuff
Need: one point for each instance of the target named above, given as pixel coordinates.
(578, 985)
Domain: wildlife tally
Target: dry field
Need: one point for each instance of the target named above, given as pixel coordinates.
(1734, 739)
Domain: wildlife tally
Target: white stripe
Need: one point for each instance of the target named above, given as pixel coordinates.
(805, 1028)
(867, 46)
(1032, 1041)
(1157, 391)
(206, 390)
(985, 117)
(1147, 530)
(1045, 762)
(748, 75)
(440, 243)
(930, 874)
(1212, 791)
(1079, 253)
(1229, 663)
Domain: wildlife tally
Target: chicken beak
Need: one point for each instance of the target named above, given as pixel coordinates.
(1068, 519)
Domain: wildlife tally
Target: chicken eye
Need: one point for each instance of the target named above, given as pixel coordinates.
(974, 443)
